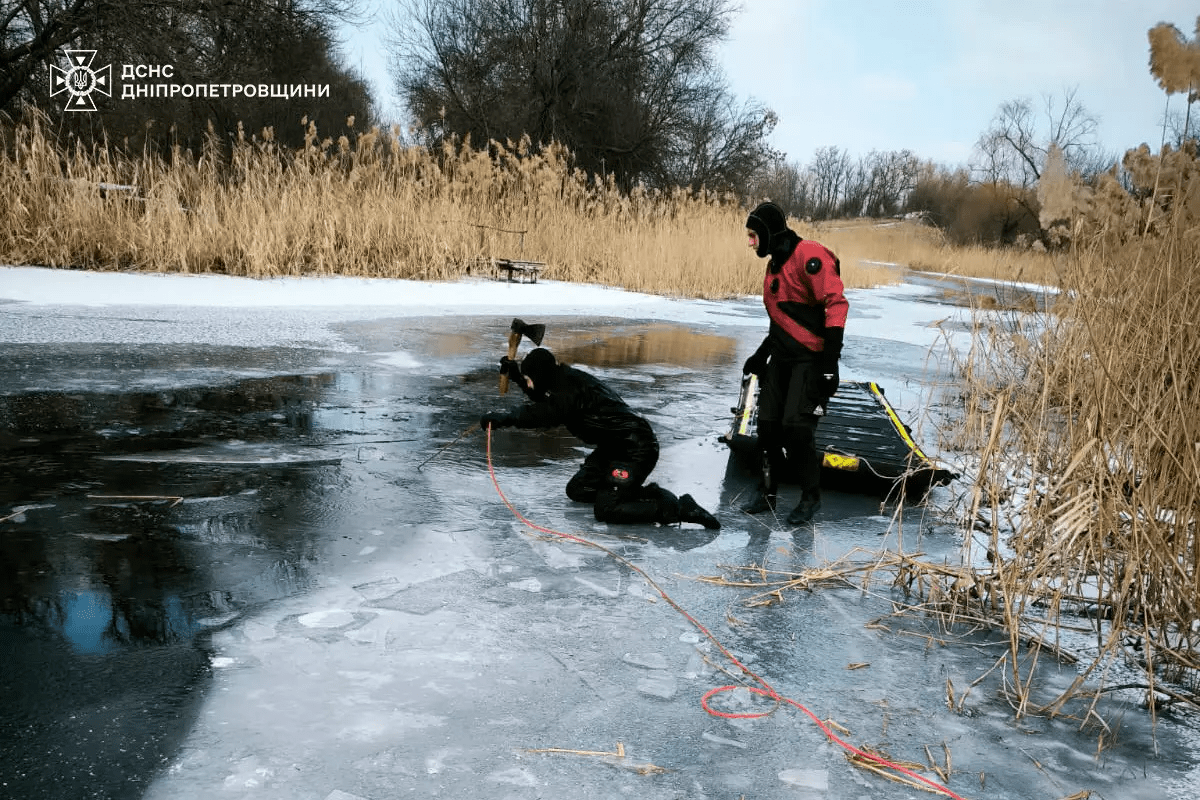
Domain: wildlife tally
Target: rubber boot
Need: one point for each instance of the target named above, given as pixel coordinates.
(765, 499)
(768, 489)
(690, 511)
(807, 508)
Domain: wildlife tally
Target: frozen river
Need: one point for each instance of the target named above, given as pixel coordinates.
(234, 563)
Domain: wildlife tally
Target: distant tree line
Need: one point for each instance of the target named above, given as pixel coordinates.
(630, 87)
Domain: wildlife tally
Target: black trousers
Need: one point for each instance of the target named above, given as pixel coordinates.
(790, 392)
(613, 477)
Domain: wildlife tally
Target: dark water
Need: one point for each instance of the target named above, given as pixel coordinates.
(132, 531)
(139, 522)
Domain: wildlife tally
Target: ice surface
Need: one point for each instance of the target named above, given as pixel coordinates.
(434, 661)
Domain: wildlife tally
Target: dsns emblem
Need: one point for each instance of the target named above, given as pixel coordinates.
(79, 80)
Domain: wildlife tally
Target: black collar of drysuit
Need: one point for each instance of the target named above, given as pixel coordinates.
(783, 250)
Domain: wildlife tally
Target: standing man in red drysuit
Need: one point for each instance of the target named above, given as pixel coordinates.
(797, 364)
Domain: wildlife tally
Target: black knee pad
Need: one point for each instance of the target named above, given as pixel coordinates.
(581, 489)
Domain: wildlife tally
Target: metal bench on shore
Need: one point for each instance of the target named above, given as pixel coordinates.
(512, 270)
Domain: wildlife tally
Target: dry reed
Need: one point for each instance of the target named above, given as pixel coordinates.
(914, 245)
(1087, 429)
(364, 204)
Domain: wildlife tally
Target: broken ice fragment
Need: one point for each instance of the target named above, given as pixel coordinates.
(658, 686)
(647, 660)
(807, 778)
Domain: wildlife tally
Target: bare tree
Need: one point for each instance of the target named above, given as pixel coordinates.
(1013, 152)
(831, 171)
(628, 85)
(1015, 147)
(784, 183)
(892, 176)
(722, 147)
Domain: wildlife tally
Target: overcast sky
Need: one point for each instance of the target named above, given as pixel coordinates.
(923, 75)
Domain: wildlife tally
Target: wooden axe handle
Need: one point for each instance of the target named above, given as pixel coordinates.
(514, 339)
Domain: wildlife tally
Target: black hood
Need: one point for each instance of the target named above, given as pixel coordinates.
(541, 366)
(770, 223)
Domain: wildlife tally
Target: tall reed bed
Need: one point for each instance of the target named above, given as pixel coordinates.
(1087, 426)
(920, 246)
(365, 204)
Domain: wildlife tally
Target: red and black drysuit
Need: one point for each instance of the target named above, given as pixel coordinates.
(613, 475)
(797, 363)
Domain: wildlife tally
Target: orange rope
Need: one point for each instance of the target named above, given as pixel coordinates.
(766, 689)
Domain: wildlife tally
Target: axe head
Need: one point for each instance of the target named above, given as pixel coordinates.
(533, 333)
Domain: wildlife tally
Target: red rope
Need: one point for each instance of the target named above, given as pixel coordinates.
(766, 689)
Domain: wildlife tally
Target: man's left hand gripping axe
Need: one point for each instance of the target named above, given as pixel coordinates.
(519, 328)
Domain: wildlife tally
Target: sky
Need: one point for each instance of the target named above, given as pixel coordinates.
(920, 75)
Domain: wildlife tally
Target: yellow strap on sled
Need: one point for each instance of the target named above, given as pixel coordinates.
(748, 406)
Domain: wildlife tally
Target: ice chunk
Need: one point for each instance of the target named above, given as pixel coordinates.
(338, 794)
(695, 665)
(400, 359)
(647, 660)
(712, 737)
(377, 632)
(658, 686)
(378, 590)
(597, 588)
(515, 776)
(806, 778)
(18, 512)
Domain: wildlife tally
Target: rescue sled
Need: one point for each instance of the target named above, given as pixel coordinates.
(864, 445)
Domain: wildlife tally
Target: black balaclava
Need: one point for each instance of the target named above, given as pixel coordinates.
(541, 366)
(769, 222)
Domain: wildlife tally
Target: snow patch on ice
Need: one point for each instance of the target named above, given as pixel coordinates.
(331, 618)
(515, 777)
(402, 360)
(528, 585)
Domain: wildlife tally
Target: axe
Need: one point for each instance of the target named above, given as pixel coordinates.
(533, 333)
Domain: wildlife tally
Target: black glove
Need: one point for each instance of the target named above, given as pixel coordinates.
(829, 360)
(512, 368)
(757, 363)
(495, 420)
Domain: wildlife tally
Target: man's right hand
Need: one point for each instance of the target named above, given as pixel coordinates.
(494, 420)
(755, 364)
(512, 368)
